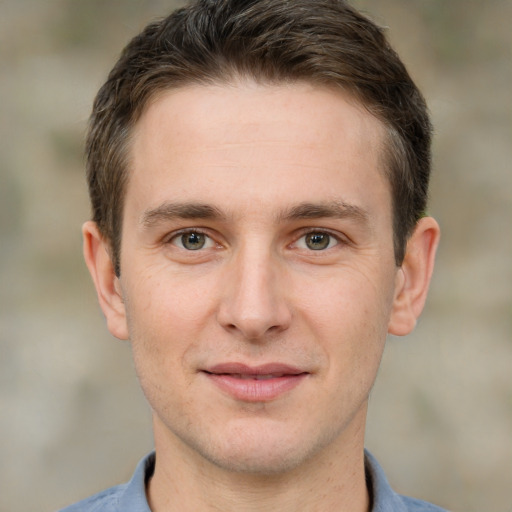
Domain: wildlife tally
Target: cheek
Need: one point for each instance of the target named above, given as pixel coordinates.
(162, 332)
(165, 317)
(348, 315)
(168, 299)
(348, 300)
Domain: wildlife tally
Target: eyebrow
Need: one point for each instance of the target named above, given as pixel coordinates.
(332, 209)
(169, 211)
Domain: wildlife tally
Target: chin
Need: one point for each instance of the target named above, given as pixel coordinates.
(258, 462)
(262, 453)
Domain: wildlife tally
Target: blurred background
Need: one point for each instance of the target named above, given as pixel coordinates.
(72, 418)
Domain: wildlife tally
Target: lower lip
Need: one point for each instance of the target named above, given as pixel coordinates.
(253, 390)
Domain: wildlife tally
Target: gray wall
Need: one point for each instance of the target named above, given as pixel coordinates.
(72, 419)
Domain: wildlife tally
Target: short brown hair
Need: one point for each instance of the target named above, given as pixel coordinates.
(325, 42)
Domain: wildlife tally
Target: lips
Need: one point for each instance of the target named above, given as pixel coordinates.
(255, 383)
(257, 377)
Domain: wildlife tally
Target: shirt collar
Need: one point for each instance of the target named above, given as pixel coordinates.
(133, 497)
(384, 499)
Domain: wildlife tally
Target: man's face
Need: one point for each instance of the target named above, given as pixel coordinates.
(257, 270)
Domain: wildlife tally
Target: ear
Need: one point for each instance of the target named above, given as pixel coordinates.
(98, 260)
(413, 277)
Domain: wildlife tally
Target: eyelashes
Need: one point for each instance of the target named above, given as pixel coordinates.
(192, 240)
(195, 239)
(317, 241)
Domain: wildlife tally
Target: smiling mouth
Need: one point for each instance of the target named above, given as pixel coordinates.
(255, 384)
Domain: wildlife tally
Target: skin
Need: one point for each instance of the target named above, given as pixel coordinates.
(251, 170)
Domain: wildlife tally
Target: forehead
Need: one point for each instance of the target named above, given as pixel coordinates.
(247, 137)
(250, 106)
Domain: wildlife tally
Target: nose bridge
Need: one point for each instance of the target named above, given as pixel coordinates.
(254, 302)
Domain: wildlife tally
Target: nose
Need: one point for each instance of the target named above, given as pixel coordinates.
(254, 304)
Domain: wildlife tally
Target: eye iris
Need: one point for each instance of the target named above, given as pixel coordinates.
(317, 241)
(193, 241)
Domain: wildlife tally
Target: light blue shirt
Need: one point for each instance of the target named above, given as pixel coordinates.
(131, 496)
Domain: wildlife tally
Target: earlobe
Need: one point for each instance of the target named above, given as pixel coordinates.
(99, 263)
(413, 277)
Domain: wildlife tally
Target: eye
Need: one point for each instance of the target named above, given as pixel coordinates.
(192, 241)
(317, 241)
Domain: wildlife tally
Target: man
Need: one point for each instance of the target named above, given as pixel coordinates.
(258, 172)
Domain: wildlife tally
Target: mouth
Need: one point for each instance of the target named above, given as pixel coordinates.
(255, 383)
(256, 377)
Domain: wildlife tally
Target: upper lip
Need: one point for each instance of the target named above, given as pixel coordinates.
(276, 369)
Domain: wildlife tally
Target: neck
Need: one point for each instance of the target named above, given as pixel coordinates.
(333, 480)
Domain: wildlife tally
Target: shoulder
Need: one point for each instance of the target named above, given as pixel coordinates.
(128, 497)
(414, 505)
(384, 498)
(104, 501)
